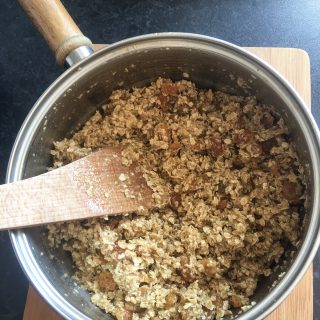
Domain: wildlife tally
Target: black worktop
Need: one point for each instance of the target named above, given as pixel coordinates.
(27, 68)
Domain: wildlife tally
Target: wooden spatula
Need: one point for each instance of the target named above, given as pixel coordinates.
(93, 186)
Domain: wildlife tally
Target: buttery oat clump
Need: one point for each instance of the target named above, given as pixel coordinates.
(230, 194)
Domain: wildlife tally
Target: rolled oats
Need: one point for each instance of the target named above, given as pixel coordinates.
(229, 191)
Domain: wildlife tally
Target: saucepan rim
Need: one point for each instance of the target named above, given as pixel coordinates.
(19, 153)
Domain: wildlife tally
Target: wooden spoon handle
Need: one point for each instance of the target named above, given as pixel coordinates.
(96, 185)
(50, 197)
(57, 27)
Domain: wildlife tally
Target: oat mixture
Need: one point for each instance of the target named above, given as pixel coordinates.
(230, 195)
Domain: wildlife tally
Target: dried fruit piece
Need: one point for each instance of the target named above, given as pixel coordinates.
(291, 190)
(163, 102)
(169, 89)
(237, 164)
(175, 200)
(222, 204)
(171, 300)
(131, 307)
(268, 145)
(210, 267)
(243, 138)
(267, 120)
(106, 281)
(235, 301)
(184, 260)
(113, 222)
(216, 148)
(274, 168)
(143, 291)
(123, 314)
(117, 249)
(175, 147)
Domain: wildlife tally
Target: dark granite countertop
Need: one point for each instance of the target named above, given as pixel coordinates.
(27, 68)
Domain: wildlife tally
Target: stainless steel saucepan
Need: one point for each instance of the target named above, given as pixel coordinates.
(77, 93)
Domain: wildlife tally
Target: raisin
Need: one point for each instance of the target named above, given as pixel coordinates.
(274, 168)
(235, 301)
(216, 148)
(267, 121)
(209, 268)
(175, 147)
(268, 145)
(113, 222)
(291, 190)
(117, 249)
(123, 315)
(163, 102)
(184, 260)
(169, 89)
(171, 300)
(131, 307)
(238, 164)
(244, 138)
(222, 204)
(106, 281)
(175, 200)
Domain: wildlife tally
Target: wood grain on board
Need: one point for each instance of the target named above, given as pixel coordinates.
(294, 65)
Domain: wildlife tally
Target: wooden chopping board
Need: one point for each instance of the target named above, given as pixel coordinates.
(294, 65)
